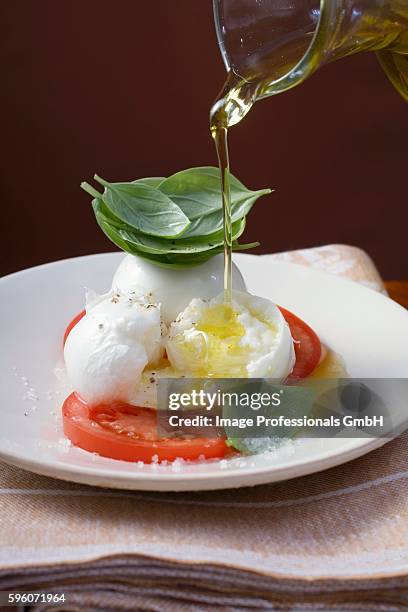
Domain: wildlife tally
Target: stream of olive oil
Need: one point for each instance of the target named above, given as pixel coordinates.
(227, 111)
(220, 135)
(233, 103)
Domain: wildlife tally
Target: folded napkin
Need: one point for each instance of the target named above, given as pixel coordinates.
(336, 540)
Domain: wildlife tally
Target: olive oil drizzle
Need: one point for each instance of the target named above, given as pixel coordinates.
(220, 135)
(231, 106)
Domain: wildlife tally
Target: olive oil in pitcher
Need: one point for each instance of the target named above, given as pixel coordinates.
(271, 47)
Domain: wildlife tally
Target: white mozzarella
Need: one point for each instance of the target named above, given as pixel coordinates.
(106, 352)
(249, 338)
(173, 289)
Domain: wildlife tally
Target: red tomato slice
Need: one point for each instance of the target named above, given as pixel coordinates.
(129, 433)
(72, 324)
(307, 346)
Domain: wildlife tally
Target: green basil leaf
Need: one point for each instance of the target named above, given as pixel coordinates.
(190, 260)
(298, 402)
(101, 209)
(197, 191)
(217, 237)
(153, 181)
(173, 261)
(151, 244)
(143, 247)
(175, 264)
(136, 216)
(144, 208)
(131, 242)
(108, 229)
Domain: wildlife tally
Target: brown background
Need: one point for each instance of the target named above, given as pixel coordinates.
(123, 87)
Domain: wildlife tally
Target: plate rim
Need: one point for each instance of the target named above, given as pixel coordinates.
(330, 459)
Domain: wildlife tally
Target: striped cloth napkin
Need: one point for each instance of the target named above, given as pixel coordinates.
(336, 540)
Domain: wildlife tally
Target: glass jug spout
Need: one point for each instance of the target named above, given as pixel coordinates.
(270, 46)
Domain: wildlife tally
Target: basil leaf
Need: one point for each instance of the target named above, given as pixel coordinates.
(190, 260)
(151, 248)
(197, 191)
(151, 244)
(143, 220)
(298, 402)
(217, 237)
(108, 229)
(153, 181)
(144, 208)
(101, 209)
(133, 243)
(173, 261)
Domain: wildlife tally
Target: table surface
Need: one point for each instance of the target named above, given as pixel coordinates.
(398, 291)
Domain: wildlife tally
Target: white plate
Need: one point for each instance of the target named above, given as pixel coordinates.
(369, 330)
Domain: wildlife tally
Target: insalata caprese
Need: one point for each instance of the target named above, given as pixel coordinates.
(165, 316)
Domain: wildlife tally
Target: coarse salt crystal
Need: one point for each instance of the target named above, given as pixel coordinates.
(64, 442)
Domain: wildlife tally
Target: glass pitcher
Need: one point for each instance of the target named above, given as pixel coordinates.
(270, 46)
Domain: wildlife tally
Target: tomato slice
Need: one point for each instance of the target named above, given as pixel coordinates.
(307, 346)
(129, 433)
(72, 324)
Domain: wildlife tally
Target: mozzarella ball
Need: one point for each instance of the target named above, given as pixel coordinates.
(106, 352)
(247, 337)
(173, 289)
